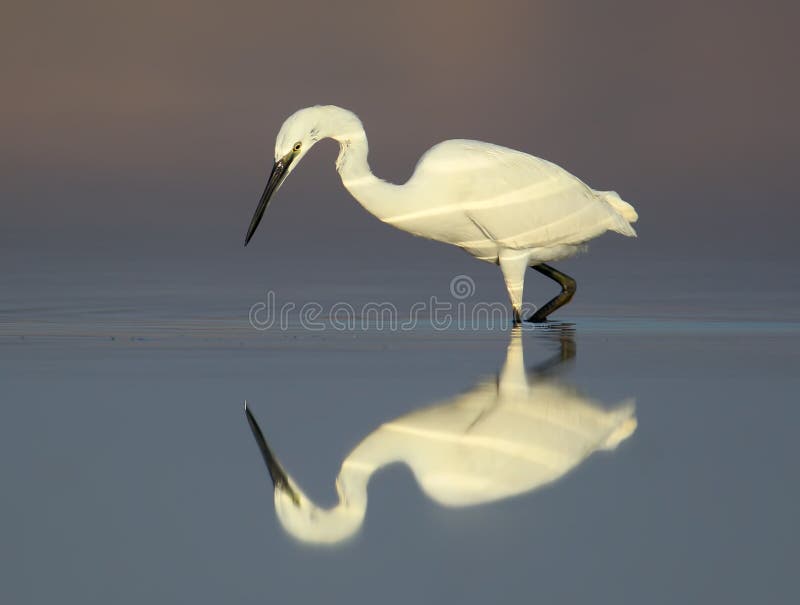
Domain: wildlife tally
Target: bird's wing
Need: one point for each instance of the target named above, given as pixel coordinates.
(515, 199)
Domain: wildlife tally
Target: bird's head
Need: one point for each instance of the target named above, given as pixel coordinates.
(299, 133)
(309, 523)
(300, 516)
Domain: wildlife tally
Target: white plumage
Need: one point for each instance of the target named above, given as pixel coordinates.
(500, 205)
(502, 438)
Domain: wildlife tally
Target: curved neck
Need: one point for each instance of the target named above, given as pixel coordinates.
(376, 195)
(307, 522)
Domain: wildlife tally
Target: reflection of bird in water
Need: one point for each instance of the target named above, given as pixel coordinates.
(500, 205)
(503, 438)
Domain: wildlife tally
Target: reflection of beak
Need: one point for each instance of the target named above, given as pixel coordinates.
(275, 179)
(280, 480)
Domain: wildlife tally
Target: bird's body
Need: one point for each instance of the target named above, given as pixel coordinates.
(486, 199)
(506, 436)
(500, 205)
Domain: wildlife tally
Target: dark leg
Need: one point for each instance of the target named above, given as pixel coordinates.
(551, 366)
(568, 287)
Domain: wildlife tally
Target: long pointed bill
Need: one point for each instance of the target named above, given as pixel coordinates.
(275, 179)
(280, 480)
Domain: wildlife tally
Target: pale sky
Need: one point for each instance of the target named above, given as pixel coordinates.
(162, 115)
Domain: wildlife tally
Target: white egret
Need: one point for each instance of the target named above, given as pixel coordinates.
(500, 205)
(502, 438)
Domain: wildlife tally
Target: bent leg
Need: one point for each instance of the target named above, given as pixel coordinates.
(568, 287)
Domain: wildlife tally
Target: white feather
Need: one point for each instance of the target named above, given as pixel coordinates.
(496, 203)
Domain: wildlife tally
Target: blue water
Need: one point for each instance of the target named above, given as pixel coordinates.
(130, 474)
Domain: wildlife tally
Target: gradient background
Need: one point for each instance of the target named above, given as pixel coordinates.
(135, 139)
(133, 130)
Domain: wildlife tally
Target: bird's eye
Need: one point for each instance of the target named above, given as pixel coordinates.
(297, 147)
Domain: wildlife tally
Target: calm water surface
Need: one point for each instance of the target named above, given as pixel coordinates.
(626, 459)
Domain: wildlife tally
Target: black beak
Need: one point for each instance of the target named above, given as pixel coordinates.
(275, 179)
(280, 480)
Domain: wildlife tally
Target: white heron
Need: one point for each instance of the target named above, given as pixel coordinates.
(500, 205)
(505, 437)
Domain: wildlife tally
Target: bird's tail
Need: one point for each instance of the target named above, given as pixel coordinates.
(617, 203)
(625, 424)
(624, 209)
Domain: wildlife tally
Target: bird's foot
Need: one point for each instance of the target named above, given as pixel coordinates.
(536, 318)
(517, 317)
